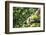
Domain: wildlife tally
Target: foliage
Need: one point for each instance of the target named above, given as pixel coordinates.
(20, 14)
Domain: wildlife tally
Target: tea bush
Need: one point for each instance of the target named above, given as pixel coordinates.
(20, 15)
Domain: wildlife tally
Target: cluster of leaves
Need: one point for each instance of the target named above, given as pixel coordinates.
(20, 14)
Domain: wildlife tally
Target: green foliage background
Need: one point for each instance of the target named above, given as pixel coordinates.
(20, 14)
